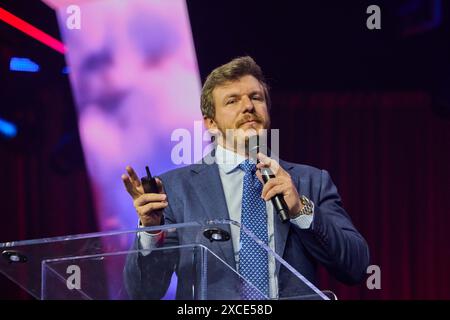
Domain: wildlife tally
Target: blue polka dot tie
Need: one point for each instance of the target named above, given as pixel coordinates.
(253, 260)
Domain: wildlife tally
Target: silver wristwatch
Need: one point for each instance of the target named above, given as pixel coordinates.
(308, 207)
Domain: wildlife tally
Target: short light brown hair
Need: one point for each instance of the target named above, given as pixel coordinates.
(231, 71)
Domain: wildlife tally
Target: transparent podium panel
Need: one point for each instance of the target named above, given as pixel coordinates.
(190, 261)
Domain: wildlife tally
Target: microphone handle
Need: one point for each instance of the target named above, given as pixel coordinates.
(278, 200)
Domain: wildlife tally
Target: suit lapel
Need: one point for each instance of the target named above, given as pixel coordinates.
(207, 183)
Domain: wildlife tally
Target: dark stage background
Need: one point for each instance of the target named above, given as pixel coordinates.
(370, 106)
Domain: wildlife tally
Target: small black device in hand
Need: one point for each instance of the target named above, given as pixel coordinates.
(149, 183)
(150, 186)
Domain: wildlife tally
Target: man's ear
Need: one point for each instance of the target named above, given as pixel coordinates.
(209, 123)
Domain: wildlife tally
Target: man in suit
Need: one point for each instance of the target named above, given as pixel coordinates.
(235, 105)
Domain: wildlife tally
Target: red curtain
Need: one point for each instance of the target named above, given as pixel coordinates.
(389, 155)
(45, 191)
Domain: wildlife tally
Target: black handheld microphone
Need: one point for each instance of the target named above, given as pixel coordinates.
(277, 200)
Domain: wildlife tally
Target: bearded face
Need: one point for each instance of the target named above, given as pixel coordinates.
(240, 112)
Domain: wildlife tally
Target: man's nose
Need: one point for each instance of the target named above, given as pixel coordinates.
(248, 104)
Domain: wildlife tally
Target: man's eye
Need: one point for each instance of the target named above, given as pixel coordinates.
(231, 101)
(259, 98)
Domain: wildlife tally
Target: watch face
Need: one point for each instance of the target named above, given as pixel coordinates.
(304, 200)
(307, 207)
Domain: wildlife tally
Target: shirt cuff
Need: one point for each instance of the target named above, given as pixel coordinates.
(304, 221)
(148, 241)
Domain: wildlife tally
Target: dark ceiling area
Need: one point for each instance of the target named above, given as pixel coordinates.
(301, 45)
(323, 44)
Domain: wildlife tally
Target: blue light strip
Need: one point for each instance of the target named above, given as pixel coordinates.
(23, 65)
(7, 129)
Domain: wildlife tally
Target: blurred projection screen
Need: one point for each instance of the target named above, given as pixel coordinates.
(135, 79)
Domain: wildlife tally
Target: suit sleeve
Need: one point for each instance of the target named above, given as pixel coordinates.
(148, 277)
(332, 239)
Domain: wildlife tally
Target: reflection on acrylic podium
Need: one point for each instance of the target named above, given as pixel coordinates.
(112, 265)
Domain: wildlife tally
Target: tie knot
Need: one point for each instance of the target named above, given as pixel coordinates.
(248, 166)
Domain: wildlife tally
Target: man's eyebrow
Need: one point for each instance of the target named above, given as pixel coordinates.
(234, 94)
(256, 91)
(231, 95)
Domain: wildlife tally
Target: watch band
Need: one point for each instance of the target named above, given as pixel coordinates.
(308, 207)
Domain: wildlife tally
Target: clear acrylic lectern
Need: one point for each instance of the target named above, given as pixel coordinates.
(186, 261)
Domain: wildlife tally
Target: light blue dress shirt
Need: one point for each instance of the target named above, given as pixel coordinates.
(232, 181)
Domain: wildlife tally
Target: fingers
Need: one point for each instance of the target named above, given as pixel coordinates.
(266, 162)
(132, 183)
(259, 176)
(150, 213)
(129, 186)
(280, 184)
(151, 207)
(263, 159)
(278, 189)
(149, 197)
(127, 183)
(272, 183)
(133, 176)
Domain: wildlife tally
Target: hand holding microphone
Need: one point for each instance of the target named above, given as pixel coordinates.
(278, 187)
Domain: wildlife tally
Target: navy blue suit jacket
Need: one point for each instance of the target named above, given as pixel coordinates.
(195, 193)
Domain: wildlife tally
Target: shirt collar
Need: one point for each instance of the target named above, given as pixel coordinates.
(228, 160)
